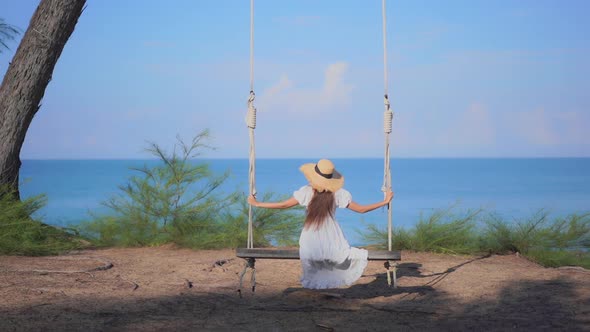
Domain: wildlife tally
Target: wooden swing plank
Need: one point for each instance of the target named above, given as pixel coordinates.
(265, 253)
(385, 255)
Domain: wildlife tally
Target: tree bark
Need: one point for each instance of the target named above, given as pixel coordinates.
(27, 77)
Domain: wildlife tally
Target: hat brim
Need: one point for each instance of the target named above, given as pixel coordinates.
(319, 182)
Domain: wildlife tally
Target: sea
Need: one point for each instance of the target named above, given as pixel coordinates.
(511, 188)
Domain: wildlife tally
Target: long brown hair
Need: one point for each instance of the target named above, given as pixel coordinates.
(321, 206)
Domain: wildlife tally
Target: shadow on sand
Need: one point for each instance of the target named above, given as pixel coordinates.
(526, 305)
(379, 288)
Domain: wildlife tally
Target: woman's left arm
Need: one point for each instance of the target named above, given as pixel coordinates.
(291, 202)
(370, 207)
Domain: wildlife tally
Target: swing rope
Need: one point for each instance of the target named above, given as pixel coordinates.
(387, 128)
(251, 122)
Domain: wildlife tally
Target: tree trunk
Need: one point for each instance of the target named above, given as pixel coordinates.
(27, 77)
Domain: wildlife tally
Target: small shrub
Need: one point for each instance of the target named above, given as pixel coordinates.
(557, 258)
(22, 235)
(536, 233)
(563, 241)
(445, 232)
(270, 227)
(442, 231)
(177, 201)
(377, 237)
(173, 201)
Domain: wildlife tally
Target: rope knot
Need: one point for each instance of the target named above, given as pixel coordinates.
(387, 116)
(387, 121)
(251, 116)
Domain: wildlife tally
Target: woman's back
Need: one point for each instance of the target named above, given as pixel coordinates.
(327, 259)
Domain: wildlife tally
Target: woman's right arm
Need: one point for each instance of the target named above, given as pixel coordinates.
(370, 207)
(291, 202)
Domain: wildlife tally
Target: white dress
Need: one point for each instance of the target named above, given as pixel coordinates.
(327, 260)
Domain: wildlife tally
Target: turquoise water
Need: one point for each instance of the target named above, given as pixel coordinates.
(512, 187)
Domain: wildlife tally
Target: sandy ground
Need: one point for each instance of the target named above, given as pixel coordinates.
(152, 289)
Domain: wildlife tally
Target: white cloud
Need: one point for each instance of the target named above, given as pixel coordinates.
(277, 89)
(91, 140)
(333, 94)
(481, 127)
(577, 126)
(472, 127)
(536, 127)
(543, 128)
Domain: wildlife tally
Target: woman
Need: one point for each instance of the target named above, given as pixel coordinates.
(328, 261)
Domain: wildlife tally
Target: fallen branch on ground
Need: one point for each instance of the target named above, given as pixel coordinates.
(106, 265)
(135, 285)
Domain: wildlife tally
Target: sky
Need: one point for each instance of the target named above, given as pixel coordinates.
(465, 78)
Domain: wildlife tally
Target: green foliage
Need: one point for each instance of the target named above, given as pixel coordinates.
(557, 258)
(172, 201)
(176, 201)
(7, 32)
(446, 232)
(535, 233)
(442, 231)
(271, 227)
(498, 236)
(21, 235)
(401, 239)
(563, 241)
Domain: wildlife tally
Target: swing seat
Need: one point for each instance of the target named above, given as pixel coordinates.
(267, 253)
(250, 255)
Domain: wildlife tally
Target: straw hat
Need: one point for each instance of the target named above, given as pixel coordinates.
(322, 176)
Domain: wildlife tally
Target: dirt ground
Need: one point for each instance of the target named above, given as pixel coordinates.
(152, 289)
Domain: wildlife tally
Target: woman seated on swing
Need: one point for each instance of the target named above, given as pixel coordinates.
(328, 261)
